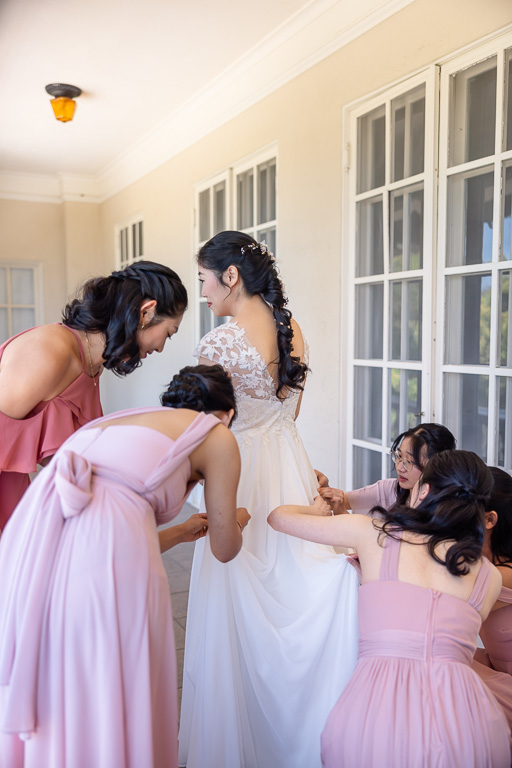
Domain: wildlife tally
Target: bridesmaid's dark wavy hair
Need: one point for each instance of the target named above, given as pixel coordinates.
(258, 272)
(501, 503)
(454, 509)
(111, 305)
(426, 439)
(201, 388)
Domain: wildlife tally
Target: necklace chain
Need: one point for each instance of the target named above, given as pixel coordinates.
(90, 359)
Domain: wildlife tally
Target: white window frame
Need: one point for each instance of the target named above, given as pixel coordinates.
(137, 221)
(229, 176)
(437, 172)
(350, 197)
(37, 270)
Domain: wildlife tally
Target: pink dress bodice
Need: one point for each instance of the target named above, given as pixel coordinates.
(414, 701)
(496, 634)
(25, 442)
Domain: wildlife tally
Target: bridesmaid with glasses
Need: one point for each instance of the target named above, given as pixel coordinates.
(410, 452)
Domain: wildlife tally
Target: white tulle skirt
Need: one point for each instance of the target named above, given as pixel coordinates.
(271, 637)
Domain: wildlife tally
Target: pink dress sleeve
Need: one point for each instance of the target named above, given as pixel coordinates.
(381, 493)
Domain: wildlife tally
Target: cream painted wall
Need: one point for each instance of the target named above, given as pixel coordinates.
(82, 243)
(34, 232)
(304, 117)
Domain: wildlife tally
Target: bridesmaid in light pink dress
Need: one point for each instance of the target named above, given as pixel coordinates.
(87, 661)
(494, 662)
(413, 700)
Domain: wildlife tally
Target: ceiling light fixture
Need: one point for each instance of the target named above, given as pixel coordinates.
(63, 104)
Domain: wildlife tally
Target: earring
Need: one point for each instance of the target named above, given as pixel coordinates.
(142, 326)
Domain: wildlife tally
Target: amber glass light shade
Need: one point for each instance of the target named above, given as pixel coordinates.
(63, 108)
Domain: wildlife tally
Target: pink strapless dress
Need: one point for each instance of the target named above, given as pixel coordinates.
(25, 442)
(87, 659)
(494, 665)
(413, 700)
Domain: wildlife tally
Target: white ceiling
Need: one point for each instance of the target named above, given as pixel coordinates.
(155, 76)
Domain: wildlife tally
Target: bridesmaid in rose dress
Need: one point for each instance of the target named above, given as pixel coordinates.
(494, 662)
(49, 375)
(413, 700)
(87, 659)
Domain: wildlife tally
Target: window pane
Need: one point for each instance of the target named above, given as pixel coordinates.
(205, 316)
(3, 286)
(470, 218)
(506, 234)
(370, 238)
(219, 207)
(204, 215)
(22, 286)
(367, 467)
(405, 389)
(408, 119)
(466, 397)
(4, 325)
(269, 236)
(369, 321)
(245, 199)
(267, 191)
(505, 320)
(473, 109)
(406, 231)
(406, 306)
(468, 319)
(504, 431)
(141, 248)
(135, 248)
(22, 319)
(372, 137)
(508, 97)
(368, 408)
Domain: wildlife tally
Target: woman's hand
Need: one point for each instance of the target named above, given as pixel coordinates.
(321, 479)
(191, 530)
(336, 499)
(242, 517)
(320, 507)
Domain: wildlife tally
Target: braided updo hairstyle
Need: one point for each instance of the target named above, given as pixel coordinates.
(258, 272)
(460, 487)
(501, 503)
(201, 388)
(111, 305)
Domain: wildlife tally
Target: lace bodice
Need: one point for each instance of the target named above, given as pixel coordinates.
(258, 406)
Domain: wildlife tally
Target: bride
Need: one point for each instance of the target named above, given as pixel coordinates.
(271, 636)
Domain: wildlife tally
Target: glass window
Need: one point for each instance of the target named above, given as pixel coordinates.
(129, 241)
(473, 103)
(19, 287)
(372, 145)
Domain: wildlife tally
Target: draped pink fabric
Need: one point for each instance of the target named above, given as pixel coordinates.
(413, 700)
(87, 655)
(26, 442)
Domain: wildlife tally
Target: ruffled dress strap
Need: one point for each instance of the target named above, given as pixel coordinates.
(389, 563)
(481, 585)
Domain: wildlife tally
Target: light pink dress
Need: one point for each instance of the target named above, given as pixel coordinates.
(413, 700)
(381, 493)
(26, 442)
(494, 665)
(87, 659)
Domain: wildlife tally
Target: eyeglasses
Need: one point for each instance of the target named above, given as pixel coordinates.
(398, 458)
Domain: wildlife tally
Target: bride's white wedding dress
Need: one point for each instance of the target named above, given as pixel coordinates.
(271, 636)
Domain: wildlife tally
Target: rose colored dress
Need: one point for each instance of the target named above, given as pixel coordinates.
(381, 493)
(26, 442)
(87, 659)
(494, 665)
(413, 700)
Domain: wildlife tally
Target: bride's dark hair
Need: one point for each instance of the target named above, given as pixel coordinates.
(201, 388)
(258, 272)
